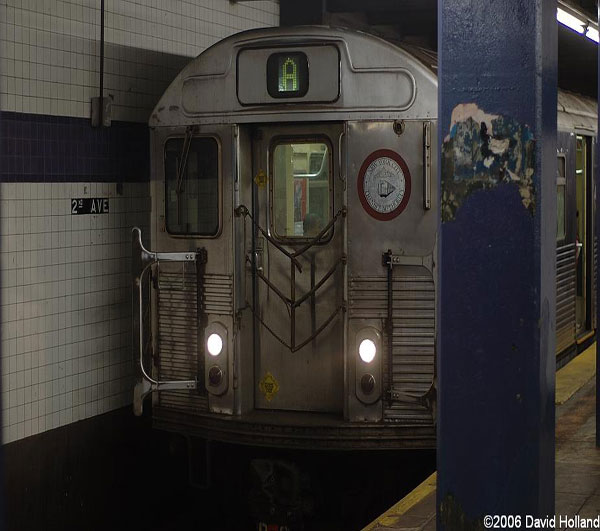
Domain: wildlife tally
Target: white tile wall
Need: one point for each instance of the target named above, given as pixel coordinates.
(65, 296)
(65, 279)
(49, 49)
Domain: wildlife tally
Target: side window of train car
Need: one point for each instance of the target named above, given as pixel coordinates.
(561, 189)
(301, 188)
(192, 186)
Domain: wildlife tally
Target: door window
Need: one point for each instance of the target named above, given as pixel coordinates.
(192, 186)
(301, 188)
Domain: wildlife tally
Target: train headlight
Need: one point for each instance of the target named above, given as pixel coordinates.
(367, 350)
(214, 344)
(367, 354)
(217, 359)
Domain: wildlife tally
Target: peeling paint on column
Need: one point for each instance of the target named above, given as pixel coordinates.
(483, 151)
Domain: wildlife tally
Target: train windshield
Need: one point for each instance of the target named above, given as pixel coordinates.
(192, 186)
(301, 189)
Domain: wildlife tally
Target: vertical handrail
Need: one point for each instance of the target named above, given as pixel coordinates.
(293, 306)
(141, 262)
(390, 322)
(427, 165)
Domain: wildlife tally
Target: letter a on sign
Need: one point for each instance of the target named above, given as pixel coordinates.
(289, 75)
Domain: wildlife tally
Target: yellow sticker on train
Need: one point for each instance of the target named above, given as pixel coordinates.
(268, 386)
(261, 179)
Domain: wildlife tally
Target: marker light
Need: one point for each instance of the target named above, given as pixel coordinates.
(367, 383)
(214, 344)
(215, 376)
(367, 350)
(570, 21)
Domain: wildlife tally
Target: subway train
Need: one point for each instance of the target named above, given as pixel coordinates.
(576, 268)
(288, 295)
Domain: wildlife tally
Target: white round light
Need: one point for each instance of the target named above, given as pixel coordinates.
(367, 350)
(214, 344)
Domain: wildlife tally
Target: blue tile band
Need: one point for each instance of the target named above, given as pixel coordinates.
(43, 148)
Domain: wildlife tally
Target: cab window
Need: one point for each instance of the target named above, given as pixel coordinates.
(192, 186)
(301, 188)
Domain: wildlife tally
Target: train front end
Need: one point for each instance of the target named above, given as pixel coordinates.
(286, 292)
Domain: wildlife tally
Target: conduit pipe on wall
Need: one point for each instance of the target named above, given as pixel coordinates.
(101, 105)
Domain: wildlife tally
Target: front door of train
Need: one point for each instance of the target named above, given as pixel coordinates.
(298, 267)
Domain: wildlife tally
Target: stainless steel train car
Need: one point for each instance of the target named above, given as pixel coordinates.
(289, 297)
(577, 242)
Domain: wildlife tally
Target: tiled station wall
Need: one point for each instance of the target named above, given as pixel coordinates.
(50, 49)
(64, 290)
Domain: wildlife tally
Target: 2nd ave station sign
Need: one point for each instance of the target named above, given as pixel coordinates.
(89, 205)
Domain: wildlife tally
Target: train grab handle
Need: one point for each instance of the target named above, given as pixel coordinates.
(141, 261)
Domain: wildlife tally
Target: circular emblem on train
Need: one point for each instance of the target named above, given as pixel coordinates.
(384, 184)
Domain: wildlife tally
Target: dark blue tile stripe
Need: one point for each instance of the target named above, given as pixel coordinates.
(42, 148)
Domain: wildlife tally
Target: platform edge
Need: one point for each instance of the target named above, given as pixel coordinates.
(405, 504)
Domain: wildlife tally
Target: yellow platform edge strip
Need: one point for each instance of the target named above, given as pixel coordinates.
(575, 374)
(390, 517)
(569, 380)
(584, 338)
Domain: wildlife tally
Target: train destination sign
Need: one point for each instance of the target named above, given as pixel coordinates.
(287, 75)
(384, 184)
(89, 205)
(275, 76)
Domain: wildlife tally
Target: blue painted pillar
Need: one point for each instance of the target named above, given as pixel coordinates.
(597, 257)
(496, 359)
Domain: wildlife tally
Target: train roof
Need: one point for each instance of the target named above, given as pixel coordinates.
(227, 82)
(577, 112)
(378, 80)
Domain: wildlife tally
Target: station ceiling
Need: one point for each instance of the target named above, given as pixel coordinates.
(416, 21)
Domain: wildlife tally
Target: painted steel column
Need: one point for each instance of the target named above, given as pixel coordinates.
(597, 257)
(496, 360)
